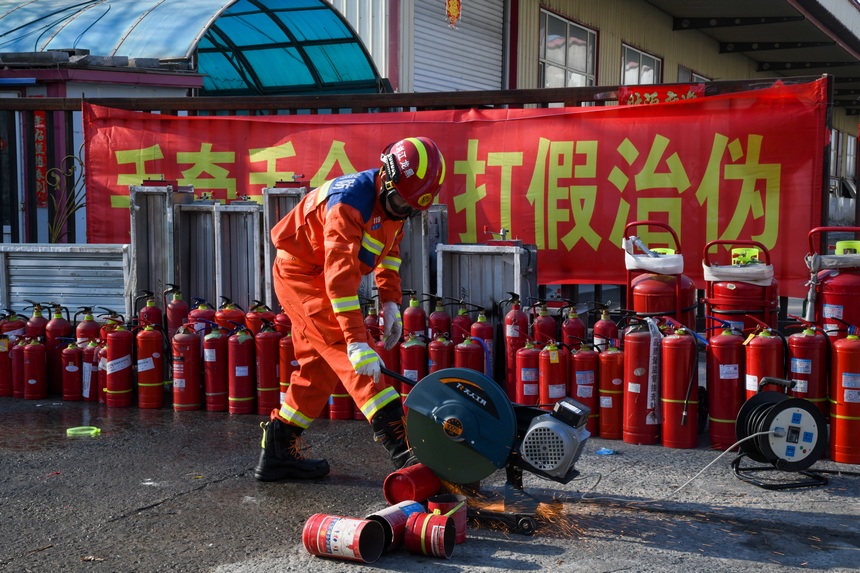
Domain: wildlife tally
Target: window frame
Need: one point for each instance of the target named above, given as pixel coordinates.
(658, 77)
(588, 76)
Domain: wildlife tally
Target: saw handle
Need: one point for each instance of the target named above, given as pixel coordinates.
(397, 376)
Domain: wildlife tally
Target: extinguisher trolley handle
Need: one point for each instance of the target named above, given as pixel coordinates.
(397, 376)
(787, 384)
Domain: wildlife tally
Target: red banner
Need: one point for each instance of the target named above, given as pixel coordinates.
(742, 166)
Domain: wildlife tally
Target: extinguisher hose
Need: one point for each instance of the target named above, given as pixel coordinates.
(694, 365)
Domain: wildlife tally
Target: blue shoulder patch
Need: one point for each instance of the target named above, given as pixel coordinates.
(357, 190)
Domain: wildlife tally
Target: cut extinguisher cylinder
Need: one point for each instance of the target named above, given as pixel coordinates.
(215, 370)
(267, 366)
(414, 319)
(680, 390)
(413, 362)
(440, 353)
(641, 387)
(482, 330)
(611, 393)
(516, 331)
(584, 376)
(119, 383)
(725, 375)
(5, 367)
(845, 396)
(35, 371)
(17, 359)
(90, 377)
(150, 368)
(340, 404)
(527, 383)
(186, 346)
(469, 354)
(764, 359)
(544, 327)
(552, 375)
(287, 363)
(240, 373)
(604, 331)
(808, 367)
(72, 368)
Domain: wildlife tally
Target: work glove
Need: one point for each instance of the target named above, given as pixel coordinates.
(365, 360)
(393, 324)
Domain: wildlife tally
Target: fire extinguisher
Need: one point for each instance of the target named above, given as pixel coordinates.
(56, 330)
(215, 385)
(584, 376)
(439, 321)
(544, 327)
(35, 370)
(391, 359)
(201, 317)
(573, 329)
(16, 356)
(287, 363)
(610, 388)
(101, 371)
(35, 326)
(240, 372)
(641, 382)
(516, 328)
(150, 366)
(229, 314)
(149, 313)
(176, 311)
(90, 377)
(834, 292)
(413, 361)
(481, 329)
(440, 353)
(527, 365)
(283, 324)
(725, 376)
(88, 328)
(844, 393)
(72, 369)
(371, 322)
(809, 366)
(469, 354)
(680, 389)
(120, 375)
(258, 315)
(461, 324)
(604, 329)
(552, 374)
(186, 350)
(266, 348)
(765, 358)
(14, 326)
(5, 367)
(111, 320)
(414, 318)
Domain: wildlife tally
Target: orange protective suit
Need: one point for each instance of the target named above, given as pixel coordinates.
(335, 235)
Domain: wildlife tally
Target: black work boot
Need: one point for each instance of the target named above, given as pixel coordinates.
(390, 431)
(282, 456)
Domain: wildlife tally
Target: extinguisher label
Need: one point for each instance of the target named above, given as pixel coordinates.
(800, 386)
(634, 387)
(557, 390)
(209, 355)
(752, 383)
(530, 374)
(86, 377)
(145, 364)
(512, 330)
(850, 380)
(584, 391)
(411, 374)
(729, 371)
(71, 368)
(531, 390)
(831, 328)
(832, 310)
(119, 364)
(801, 365)
(4, 345)
(852, 396)
(606, 401)
(241, 371)
(179, 383)
(585, 377)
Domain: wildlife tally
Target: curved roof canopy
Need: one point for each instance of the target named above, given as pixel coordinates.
(241, 47)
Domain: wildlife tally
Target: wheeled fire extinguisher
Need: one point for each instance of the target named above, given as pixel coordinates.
(516, 328)
(175, 310)
(584, 376)
(240, 372)
(120, 375)
(35, 370)
(573, 329)
(16, 357)
(150, 367)
(482, 330)
(439, 321)
(725, 376)
(809, 366)
(201, 316)
(845, 397)
(610, 372)
(287, 363)
(414, 318)
(552, 374)
(258, 315)
(527, 365)
(266, 347)
(680, 389)
(743, 287)
(72, 370)
(149, 313)
(544, 327)
(35, 326)
(56, 331)
(229, 314)
(90, 376)
(656, 285)
(88, 328)
(5, 367)
(440, 353)
(642, 351)
(461, 324)
(765, 358)
(413, 362)
(215, 386)
(14, 326)
(186, 351)
(834, 286)
(604, 329)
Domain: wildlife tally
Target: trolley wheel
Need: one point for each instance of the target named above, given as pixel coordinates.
(526, 525)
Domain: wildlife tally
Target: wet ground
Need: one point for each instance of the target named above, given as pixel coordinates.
(160, 490)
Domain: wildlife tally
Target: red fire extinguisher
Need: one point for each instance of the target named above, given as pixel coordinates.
(482, 330)
(35, 326)
(544, 327)
(120, 375)
(583, 383)
(391, 359)
(283, 324)
(765, 357)
(552, 374)
(439, 321)
(515, 331)
(604, 329)
(88, 328)
(101, 371)
(258, 315)
(371, 322)
(229, 314)
(845, 394)
(469, 354)
(72, 371)
(266, 347)
(725, 381)
(57, 329)
(35, 371)
(186, 369)
(201, 317)
(834, 292)
(240, 372)
(5, 367)
(680, 390)
(809, 368)
(414, 318)
(527, 375)
(461, 324)
(215, 384)
(16, 357)
(413, 362)
(287, 363)
(150, 367)
(573, 329)
(176, 310)
(149, 313)
(642, 383)
(14, 326)
(111, 320)
(440, 353)
(90, 377)
(610, 386)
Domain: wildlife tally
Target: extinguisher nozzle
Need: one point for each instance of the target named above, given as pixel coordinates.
(684, 417)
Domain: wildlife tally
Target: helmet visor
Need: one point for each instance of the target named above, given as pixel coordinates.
(398, 206)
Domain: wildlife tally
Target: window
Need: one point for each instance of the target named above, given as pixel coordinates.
(686, 75)
(566, 53)
(639, 68)
(851, 157)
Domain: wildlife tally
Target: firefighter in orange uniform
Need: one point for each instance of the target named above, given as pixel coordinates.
(344, 229)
